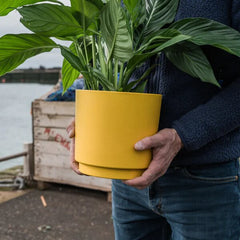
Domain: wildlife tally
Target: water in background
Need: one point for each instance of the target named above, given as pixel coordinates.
(15, 118)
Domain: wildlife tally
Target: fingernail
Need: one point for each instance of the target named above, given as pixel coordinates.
(68, 129)
(139, 146)
(70, 133)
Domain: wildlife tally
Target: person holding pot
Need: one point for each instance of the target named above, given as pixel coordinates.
(191, 189)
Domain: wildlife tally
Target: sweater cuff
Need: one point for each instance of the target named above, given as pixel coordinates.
(181, 134)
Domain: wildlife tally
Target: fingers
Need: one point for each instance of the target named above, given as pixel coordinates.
(149, 142)
(71, 129)
(159, 139)
(141, 182)
(71, 133)
(74, 163)
(147, 178)
(74, 166)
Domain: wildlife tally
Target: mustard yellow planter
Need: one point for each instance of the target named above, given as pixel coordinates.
(108, 124)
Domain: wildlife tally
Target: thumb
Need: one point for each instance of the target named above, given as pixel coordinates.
(71, 129)
(146, 143)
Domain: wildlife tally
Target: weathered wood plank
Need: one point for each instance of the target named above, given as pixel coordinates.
(51, 160)
(49, 120)
(67, 176)
(52, 146)
(28, 166)
(55, 108)
(61, 147)
(50, 134)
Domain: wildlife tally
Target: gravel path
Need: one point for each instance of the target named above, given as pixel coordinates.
(71, 214)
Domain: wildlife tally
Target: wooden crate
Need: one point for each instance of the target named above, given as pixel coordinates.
(52, 146)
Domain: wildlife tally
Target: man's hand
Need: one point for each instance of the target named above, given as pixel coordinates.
(165, 145)
(71, 133)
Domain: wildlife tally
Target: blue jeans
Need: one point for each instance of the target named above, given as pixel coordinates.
(187, 203)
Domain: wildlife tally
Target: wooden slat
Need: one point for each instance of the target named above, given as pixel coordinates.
(57, 148)
(28, 167)
(51, 160)
(50, 120)
(55, 108)
(67, 176)
(50, 134)
(52, 145)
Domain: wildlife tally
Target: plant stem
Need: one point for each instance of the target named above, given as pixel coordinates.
(93, 52)
(115, 73)
(85, 49)
(120, 76)
(87, 82)
(84, 36)
(110, 73)
(94, 58)
(101, 58)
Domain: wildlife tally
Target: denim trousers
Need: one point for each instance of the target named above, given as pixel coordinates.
(187, 203)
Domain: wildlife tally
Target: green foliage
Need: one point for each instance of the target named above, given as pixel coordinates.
(6, 6)
(158, 14)
(69, 73)
(115, 32)
(207, 32)
(16, 48)
(50, 20)
(89, 7)
(191, 59)
(110, 40)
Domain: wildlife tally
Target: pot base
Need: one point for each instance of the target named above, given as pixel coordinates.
(111, 173)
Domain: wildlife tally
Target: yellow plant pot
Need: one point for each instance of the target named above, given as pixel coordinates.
(108, 124)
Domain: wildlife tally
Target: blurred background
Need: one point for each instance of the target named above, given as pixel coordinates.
(17, 93)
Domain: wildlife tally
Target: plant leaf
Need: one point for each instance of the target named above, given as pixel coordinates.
(88, 7)
(136, 9)
(79, 63)
(115, 31)
(86, 12)
(158, 14)
(159, 37)
(140, 87)
(108, 86)
(208, 32)
(137, 84)
(7, 6)
(88, 48)
(190, 58)
(50, 20)
(131, 5)
(73, 59)
(16, 48)
(69, 73)
(140, 58)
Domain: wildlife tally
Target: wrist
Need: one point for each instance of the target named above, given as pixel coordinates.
(177, 139)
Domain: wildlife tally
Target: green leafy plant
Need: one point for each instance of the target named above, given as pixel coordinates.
(110, 39)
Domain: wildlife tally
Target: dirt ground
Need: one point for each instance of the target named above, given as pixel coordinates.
(7, 195)
(71, 214)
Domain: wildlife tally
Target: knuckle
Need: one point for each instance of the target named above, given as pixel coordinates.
(161, 172)
(68, 128)
(71, 125)
(72, 166)
(146, 181)
(148, 141)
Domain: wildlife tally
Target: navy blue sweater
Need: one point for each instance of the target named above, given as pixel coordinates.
(206, 118)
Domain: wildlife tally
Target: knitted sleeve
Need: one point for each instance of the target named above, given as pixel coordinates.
(218, 116)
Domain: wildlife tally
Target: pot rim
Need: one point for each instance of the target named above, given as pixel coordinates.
(116, 92)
